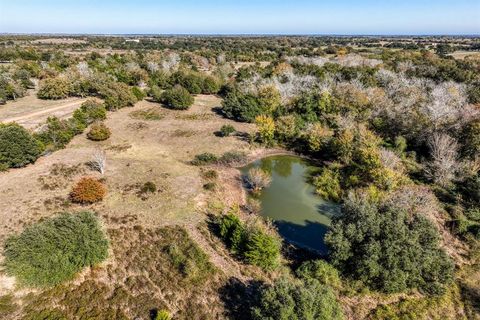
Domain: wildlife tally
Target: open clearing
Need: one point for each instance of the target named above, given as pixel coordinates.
(138, 151)
(30, 111)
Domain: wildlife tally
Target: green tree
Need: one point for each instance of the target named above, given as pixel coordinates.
(263, 250)
(177, 98)
(388, 248)
(17, 146)
(54, 250)
(266, 128)
(241, 107)
(295, 300)
(54, 88)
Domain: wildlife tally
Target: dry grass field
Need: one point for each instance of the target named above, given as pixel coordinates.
(30, 111)
(138, 151)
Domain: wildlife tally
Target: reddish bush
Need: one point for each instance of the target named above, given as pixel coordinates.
(88, 190)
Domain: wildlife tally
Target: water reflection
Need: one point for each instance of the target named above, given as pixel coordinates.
(301, 216)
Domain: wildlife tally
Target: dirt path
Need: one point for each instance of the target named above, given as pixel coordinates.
(225, 263)
(30, 111)
(43, 112)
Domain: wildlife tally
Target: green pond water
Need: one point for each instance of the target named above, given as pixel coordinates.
(300, 215)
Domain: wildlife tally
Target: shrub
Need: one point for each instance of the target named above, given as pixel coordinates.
(138, 93)
(90, 111)
(210, 174)
(156, 93)
(54, 88)
(257, 179)
(232, 158)
(99, 132)
(148, 187)
(210, 85)
(233, 232)
(88, 190)
(226, 130)
(204, 159)
(177, 98)
(321, 271)
(254, 243)
(327, 184)
(388, 248)
(295, 300)
(17, 147)
(53, 251)
(262, 249)
(163, 315)
(58, 133)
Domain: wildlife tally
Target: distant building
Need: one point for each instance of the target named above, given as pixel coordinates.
(132, 40)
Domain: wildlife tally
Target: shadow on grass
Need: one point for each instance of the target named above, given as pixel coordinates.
(238, 297)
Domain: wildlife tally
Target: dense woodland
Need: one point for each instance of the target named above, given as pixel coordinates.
(393, 124)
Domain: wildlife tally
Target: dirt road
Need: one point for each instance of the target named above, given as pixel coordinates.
(31, 111)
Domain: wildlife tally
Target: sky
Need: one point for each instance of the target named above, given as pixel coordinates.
(339, 17)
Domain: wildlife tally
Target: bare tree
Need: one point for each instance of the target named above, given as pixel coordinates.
(258, 179)
(99, 161)
(444, 165)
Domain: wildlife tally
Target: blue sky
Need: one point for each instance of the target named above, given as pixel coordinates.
(241, 17)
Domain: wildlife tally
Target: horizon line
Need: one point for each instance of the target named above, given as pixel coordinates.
(246, 34)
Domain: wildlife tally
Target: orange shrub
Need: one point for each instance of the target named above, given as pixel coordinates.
(88, 190)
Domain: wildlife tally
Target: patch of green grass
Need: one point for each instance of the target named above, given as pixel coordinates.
(190, 260)
(53, 251)
(209, 174)
(232, 158)
(150, 273)
(194, 116)
(204, 159)
(151, 114)
(7, 305)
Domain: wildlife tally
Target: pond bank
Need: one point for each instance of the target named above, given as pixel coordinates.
(301, 216)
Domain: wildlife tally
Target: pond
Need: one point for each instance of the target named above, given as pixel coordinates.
(301, 216)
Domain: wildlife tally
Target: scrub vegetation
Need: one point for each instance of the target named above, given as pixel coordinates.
(157, 219)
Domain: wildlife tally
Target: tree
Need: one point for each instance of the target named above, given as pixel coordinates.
(317, 136)
(443, 166)
(321, 271)
(90, 111)
(387, 247)
(262, 249)
(54, 250)
(17, 147)
(294, 300)
(266, 128)
(269, 99)
(327, 184)
(99, 161)
(177, 98)
(54, 88)
(117, 95)
(241, 107)
(471, 139)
